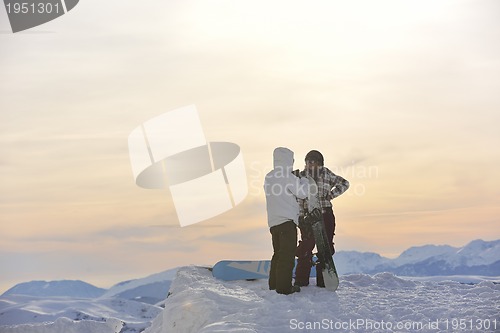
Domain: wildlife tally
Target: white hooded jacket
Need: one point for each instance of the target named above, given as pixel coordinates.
(282, 189)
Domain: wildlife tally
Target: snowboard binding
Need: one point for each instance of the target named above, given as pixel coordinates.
(314, 216)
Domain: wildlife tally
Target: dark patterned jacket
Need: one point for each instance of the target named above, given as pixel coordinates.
(330, 186)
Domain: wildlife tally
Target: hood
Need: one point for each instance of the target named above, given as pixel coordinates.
(283, 158)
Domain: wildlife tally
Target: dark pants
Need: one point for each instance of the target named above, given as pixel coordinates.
(306, 245)
(284, 244)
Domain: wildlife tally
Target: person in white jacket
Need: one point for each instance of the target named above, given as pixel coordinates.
(282, 188)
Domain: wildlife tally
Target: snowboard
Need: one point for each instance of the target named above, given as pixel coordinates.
(315, 217)
(230, 270)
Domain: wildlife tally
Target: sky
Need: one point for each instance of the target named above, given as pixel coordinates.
(401, 98)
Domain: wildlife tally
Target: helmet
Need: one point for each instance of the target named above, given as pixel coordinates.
(316, 156)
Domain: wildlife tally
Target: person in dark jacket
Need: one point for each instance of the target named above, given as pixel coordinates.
(330, 186)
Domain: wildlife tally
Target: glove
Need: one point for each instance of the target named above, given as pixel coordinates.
(305, 228)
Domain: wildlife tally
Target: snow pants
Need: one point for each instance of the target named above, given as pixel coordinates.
(284, 237)
(306, 246)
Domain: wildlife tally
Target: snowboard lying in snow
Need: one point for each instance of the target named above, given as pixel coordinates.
(230, 270)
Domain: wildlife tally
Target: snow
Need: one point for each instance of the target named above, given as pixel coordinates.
(198, 302)
(131, 303)
(421, 253)
(363, 303)
(71, 288)
(359, 262)
(65, 325)
(478, 252)
(366, 301)
(126, 286)
(21, 314)
(477, 257)
(151, 289)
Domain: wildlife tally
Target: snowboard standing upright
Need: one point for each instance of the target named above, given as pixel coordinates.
(315, 217)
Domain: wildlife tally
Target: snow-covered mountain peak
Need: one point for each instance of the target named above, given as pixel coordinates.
(150, 289)
(353, 261)
(63, 288)
(478, 252)
(420, 253)
(476, 258)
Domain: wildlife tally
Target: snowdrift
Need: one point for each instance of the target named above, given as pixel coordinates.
(363, 303)
(65, 325)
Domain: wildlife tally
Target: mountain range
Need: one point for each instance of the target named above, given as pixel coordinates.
(57, 306)
(151, 289)
(478, 258)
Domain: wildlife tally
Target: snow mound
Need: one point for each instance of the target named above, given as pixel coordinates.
(363, 303)
(67, 326)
